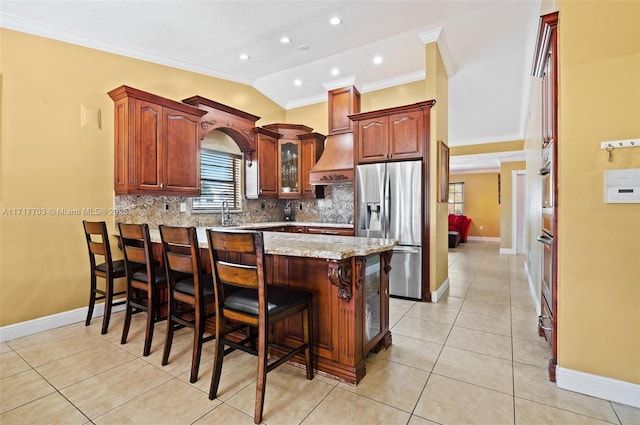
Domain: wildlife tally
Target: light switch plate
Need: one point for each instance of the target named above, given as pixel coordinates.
(90, 117)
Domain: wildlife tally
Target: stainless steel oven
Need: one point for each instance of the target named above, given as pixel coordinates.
(547, 267)
(548, 191)
(546, 324)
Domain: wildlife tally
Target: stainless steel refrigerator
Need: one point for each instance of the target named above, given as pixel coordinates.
(389, 205)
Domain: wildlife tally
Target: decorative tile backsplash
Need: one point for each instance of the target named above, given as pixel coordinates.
(336, 207)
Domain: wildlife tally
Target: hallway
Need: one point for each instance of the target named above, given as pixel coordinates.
(473, 358)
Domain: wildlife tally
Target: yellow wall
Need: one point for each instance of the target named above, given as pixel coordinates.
(404, 94)
(599, 243)
(315, 116)
(49, 161)
(481, 202)
(437, 87)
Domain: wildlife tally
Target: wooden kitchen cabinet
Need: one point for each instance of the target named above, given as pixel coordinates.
(334, 231)
(288, 171)
(341, 103)
(266, 162)
(157, 144)
(392, 134)
(311, 147)
(298, 151)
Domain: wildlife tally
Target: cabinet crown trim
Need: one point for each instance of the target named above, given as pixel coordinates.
(427, 104)
(126, 91)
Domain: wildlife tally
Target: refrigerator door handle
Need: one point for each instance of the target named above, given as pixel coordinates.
(406, 249)
(387, 204)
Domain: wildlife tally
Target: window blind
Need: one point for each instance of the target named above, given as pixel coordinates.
(220, 180)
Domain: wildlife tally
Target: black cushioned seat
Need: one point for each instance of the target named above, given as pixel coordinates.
(278, 299)
(186, 286)
(160, 278)
(118, 267)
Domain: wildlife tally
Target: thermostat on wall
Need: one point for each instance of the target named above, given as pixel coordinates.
(622, 186)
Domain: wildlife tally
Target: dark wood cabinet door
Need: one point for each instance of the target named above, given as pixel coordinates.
(342, 102)
(311, 150)
(181, 152)
(334, 231)
(406, 135)
(148, 146)
(373, 140)
(267, 164)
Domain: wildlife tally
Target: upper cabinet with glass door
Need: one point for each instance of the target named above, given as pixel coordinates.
(293, 164)
(289, 169)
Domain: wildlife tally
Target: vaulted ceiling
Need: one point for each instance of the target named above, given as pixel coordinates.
(487, 47)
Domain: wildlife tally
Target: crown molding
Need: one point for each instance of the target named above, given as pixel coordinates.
(437, 36)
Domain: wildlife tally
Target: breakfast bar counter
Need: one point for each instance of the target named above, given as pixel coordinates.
(349, 278)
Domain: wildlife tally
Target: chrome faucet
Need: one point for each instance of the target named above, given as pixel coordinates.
(225, 216)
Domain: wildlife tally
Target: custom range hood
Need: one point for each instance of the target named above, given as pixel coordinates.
(335, 166)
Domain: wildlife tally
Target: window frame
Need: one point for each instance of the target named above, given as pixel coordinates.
(452, 204)
(236, 169)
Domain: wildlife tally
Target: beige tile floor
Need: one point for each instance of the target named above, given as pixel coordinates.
(473, 358)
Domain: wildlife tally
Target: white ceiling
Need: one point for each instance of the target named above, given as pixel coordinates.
(487, 47)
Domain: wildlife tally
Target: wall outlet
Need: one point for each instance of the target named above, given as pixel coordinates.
(183, 207)
(481, 227)
(166, 207)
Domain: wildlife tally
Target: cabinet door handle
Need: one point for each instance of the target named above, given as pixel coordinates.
(540, 324)
(545, 240)
(161, 185)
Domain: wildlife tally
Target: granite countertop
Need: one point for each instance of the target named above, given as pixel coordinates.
(305, 245)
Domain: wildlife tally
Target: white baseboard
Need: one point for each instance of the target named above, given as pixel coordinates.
(439, 293)
(598, 386)
(509, 251)
(41, 324)
(483, 238)
(535, 295)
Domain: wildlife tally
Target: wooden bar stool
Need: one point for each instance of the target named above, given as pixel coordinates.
(237, 259)
(105, 268)
(145, 280)
(190, 294)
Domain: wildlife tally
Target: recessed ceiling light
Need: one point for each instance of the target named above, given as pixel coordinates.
(244, 56)
(297, 82)
(335, 71)
(335, 21)
(285, 40)
(377, 60)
